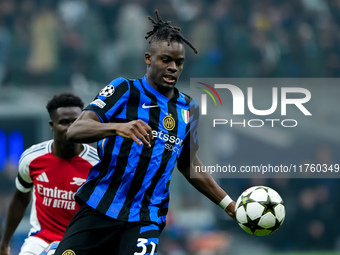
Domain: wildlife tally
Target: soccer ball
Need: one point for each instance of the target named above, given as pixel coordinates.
(260, 210)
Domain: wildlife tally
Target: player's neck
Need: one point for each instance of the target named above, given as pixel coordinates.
(66, 150)
(168, 92)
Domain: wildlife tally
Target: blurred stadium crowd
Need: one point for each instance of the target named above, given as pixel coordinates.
(55, 43)
(48, 42)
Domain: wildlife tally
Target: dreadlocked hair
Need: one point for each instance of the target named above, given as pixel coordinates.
(164, 31)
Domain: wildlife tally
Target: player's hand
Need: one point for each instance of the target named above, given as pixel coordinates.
(137, 130)
(6, 250)
(230, 210)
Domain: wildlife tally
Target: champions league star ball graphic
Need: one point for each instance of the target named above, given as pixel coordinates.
(107, 91)
(260, 210)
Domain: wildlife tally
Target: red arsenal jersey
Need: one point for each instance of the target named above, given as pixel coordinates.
(54, 182)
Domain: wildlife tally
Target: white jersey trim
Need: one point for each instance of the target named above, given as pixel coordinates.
(27, 157)
(33, 245)
(36, 227)
(89, 153)
(20, 187)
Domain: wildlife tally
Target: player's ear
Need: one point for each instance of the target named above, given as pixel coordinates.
(147, 58)
(50, 122)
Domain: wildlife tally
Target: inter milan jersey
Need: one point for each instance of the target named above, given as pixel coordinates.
(54, 182)
(131, 181)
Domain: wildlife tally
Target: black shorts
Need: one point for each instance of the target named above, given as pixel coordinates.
(91, 232)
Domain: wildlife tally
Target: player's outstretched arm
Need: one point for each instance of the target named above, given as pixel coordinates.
(205, 184)
(16, 212)
(88, 129)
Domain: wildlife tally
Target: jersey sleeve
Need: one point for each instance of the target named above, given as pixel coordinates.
(193, 140)
(23, 181)
(90, 155)
(111, 100)
(190, 144)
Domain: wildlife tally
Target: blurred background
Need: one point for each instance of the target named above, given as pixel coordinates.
(48, 47)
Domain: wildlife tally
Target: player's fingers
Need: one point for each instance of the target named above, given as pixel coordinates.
(145, 130)
(135, 139)
(231, 210)
(146, 135)
(148, 130)
(150, 134)
(145, 139)
(142, 138)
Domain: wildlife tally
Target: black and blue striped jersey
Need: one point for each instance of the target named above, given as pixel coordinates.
(131, 181)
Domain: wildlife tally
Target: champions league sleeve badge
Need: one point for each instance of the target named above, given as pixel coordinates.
(99, 103)
(107, 91)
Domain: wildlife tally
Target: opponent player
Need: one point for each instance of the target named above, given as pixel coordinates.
(51, 172)
(144, 127)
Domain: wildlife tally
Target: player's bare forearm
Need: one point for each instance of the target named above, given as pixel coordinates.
(5, 250)
(205, 184)
(88, 128)
(16, 212)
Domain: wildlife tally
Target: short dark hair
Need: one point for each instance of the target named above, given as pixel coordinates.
(164, 31)
(64, 100)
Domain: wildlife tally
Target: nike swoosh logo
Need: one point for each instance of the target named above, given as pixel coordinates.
(149, 106)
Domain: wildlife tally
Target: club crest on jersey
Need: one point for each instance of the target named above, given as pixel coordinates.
(169, 123)
(68, 252)
(107, 91)
(78, 181)
(185, 116)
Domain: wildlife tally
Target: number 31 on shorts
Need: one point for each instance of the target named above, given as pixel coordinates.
(142, 242)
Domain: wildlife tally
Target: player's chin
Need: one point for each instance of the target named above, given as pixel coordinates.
(169, 85)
